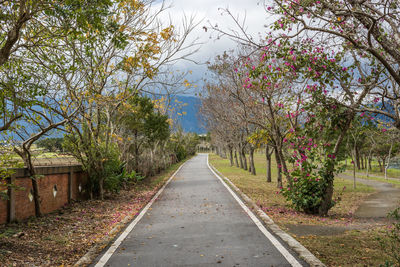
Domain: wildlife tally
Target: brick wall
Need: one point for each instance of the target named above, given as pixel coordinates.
(3, 207)
(79, 180)
(56, 184)
(23, 206)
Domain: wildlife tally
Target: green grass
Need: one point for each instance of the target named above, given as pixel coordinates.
(375, 178)
(375, 170)
(9, 231)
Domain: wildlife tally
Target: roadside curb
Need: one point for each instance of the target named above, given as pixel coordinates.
(303, 252)
(93, 252)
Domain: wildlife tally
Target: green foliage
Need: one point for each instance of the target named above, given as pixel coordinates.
(132, 177)
(180, 152)
(118, 177)
(51, 144)
(183, 145)
(391, 244)
(386, 140)
(309, 187)
(113, 171)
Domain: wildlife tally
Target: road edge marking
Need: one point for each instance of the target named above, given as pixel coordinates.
(110, 251)
(303, 252)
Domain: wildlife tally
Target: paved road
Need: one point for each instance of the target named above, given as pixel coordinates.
(379, 204)
(196, 222)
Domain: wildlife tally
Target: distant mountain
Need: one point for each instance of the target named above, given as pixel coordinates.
(189, 120)
(187, 106)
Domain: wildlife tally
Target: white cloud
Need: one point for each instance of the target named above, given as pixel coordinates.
(207, 11)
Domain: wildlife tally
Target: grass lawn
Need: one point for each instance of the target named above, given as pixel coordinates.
(375, 178)
(352, 242)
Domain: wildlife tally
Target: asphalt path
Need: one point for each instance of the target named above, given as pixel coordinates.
(196, 222)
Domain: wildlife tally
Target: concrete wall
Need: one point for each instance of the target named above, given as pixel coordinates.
(58, 185)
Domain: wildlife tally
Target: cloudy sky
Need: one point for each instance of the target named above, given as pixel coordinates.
(208, 12)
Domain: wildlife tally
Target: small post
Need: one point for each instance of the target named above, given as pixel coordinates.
(11, 200)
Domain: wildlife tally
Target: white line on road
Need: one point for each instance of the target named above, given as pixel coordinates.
(104, 259)
(289, 257)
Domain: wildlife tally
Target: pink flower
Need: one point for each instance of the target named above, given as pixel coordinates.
(384, 130)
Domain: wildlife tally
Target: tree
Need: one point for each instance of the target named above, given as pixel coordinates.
(31, 25)
(113, 67)
(53, 144)
(386, 146)
(139, 124)
(365, 27)
(342, 82)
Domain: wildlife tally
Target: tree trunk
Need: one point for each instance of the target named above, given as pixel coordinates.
(368, 162)
(231, 156)
(279, 168)
(326, 203)
(27, 157)
(252, 165)
(268, 156)
(357, 157)
(244, 159)
(354, 176)
(284, 168)
(380, 165)
(329, 177)
(223, 153)
(36, 196)
(354, 167)
(388, 159)
(236, 159)
(241, 157)
(101, 188)
(136, 146)
(362, 162)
